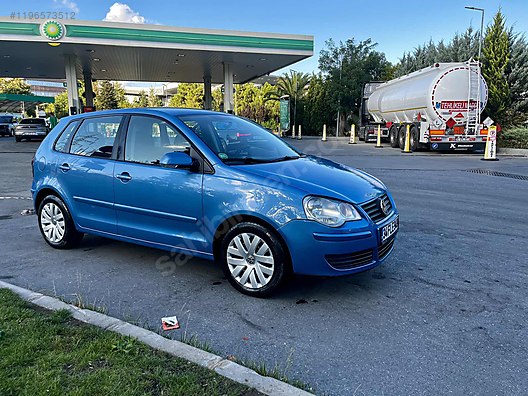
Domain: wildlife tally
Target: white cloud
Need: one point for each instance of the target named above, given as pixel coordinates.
(120, 12)
(70, 5)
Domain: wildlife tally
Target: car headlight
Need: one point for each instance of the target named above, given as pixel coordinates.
(329, 212)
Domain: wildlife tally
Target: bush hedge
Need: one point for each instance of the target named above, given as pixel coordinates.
(514, 138)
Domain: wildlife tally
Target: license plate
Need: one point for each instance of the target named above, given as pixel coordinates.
(389, 230)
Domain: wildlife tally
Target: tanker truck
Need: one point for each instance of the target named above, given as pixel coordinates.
(440, 104)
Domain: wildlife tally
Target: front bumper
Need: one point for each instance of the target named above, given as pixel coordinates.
(319, 250)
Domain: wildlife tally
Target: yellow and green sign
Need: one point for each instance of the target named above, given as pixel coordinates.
(52, 30)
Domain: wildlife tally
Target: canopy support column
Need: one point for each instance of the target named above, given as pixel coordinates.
(88, 89)
(70, 64)
(228, 88)
(208, 96)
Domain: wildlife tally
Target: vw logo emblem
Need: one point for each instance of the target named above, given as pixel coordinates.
(384, 207)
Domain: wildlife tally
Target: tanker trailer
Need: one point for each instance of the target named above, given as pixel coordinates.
(441, 105)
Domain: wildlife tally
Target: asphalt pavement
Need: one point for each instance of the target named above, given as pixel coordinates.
(446, 314)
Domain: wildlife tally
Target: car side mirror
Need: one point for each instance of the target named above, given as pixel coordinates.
(179, 160)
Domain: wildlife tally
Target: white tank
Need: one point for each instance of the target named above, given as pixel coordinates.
(436, 93)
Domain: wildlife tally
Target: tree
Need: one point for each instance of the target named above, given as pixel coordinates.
(60, 107)
(293, 84)
(141, 100)
(14, 86)
(153, 99)
(251, 101)
(106, 97)
(496, 56)
(316, 110)
(517, 78)
(189, 95)
(346, 67)
(122, 101)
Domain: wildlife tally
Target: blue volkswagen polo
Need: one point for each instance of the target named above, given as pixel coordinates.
(210, 185)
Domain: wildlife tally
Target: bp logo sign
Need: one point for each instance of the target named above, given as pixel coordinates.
(52, 30)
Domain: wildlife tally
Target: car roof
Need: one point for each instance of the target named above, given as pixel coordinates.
(167, 111)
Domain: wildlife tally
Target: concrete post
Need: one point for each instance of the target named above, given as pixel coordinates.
(228, 88)
(88, 89)
(299, 133)
(324, 133)
(208, 95)
(70, 64)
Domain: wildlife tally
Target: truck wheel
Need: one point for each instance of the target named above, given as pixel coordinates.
(401, 136)
(414, 138)
(393, 136)
(361, 137)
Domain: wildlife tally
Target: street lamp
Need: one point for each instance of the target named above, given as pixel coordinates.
(339, 97)
(481, 27)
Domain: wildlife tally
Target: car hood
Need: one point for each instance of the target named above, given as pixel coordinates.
(319, 176)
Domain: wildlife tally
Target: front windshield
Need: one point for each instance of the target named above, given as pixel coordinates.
(237, 141)
(7, 119)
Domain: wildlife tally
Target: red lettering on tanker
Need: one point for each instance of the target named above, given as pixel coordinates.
(457, 105)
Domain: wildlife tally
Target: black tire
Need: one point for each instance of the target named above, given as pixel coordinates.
(274, 247)
(17, 139)
(71, 237)
(414, 138)
(393, 137)
(401, 136)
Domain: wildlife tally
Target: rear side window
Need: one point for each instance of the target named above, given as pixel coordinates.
(95, 137)
(62, 141)
(33, 121)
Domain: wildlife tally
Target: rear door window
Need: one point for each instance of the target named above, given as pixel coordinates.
(96, 136)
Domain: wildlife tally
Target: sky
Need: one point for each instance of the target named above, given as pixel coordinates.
(397, 26)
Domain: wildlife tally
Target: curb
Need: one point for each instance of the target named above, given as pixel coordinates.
(223, 367)
(512, 151)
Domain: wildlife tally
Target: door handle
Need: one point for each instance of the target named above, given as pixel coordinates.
(64, 167)
(124, 177)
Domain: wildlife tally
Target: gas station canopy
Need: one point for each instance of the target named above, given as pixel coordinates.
(134, 52)
(12, 103)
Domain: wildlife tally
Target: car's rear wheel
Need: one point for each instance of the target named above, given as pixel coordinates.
(56, 224)
(253, 259)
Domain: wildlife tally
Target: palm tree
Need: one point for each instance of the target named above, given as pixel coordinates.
(293, 84)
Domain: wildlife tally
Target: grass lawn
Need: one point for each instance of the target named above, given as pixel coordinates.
(43, 352)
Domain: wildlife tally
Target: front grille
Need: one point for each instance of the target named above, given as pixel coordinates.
(350, 260)
(384, 249)
(373, 208)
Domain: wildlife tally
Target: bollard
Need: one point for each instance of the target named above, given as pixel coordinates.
(407, 146)
(293, 132)
(378, 143)
(352, 135)
(324, 133)
(490, 152)
(299, 134)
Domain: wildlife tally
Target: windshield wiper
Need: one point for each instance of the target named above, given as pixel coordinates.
(286, 158)
(245, 160)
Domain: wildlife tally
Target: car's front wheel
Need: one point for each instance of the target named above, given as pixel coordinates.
(56, 224)
(253, 259)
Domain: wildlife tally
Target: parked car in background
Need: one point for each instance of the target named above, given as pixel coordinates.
(31, 128)
(210, 185)
(7, 125)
